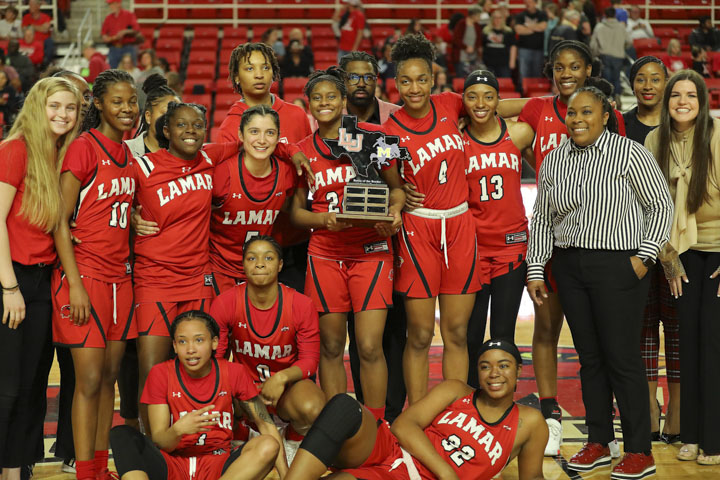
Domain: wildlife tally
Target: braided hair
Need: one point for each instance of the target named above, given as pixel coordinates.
(100, 88)
(242, 52)
(155, 88)
(334, 75)
(163, 121)
(359, 57)
(612, 123)
(581, 49)
(413, 46)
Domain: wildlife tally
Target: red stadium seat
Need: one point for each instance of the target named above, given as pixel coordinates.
(198, 86)
(201, 71)
(203, 31)
(208, 57)
(234, 36)
(326, 56)
(171, 31)
(644, 44)
(168, 43)
(172, 57)
(663, 32)
(506, 83)
(509, 94)
(219, 116)
(205, 43)
(224, 101)
(321, 31)
(203, 99)
(458, 84)
(223, 85)
(294, 85)
(540, 84)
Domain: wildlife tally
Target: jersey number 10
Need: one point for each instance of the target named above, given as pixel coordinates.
(119, 214)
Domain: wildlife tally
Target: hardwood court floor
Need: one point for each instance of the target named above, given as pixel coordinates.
(668, 468)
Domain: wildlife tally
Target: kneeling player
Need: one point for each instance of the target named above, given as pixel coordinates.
(454, 432)
(190, 406)
(273, 331)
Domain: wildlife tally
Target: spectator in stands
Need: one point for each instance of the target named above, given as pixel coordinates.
(551, 10)
(9, 99)
(11, 73)
(298, 35)
(567, 30)
(584, 30)
(120, 31)
(128, 65)
(385, 64)
(42, 24)
(446, 29)
(350, 23)
(706, 35)
(673, 59)
(32, 47)
(21, 64)
(700, 60)
(10, 25)
(415, 26)
(609, 42)
(638, 27)
(620, 13)
(175, 82)
(296, 63)
(441, 79)
(97, 62)
(499, 46)
(271, 38)
(467, 43)
(530, 26)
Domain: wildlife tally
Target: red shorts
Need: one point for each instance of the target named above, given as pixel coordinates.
(422, 272)
(222, 282)
(349, 285)
(204, 467)
(550, 282)
(497, 266)
(111, 314)
(154, 318)
(385, 461)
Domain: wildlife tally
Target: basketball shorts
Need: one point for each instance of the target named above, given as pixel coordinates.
(349, 285)
(550, 282)
(386, 460)
(154, 318)
(111, 313)
(421, 258)
(497, 266)
(204, 467)
(222, 282)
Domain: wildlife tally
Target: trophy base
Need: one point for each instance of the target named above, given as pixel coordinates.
(363, 219)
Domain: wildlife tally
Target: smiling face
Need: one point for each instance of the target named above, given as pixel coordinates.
(61, 109)
(480, 102)
(497, 373)
(185, 131)
(569, 72)
(261, 263)
(414, 83)
(119, 106)
(194, 346)
(585, 119)
(260, 137)
(683, 104)
(649, 85)
(254, 75)
(326, 103)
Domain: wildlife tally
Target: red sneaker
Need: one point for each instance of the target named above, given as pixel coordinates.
(107, 475)
(634, 466)
(591, 456)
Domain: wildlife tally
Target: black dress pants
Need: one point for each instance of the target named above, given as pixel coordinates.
(603, 301)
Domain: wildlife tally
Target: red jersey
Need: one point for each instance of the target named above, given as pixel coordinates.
(471, 446)
(29, 244)
(123, 20)
(268, 341)
(331, 176)
(41, 19)
(247, 207)
(169, 384)
(349, 30)
(107, 175)
(35, 50)
(437, 165)
(172, 265)
(493, 173)
(546, 115)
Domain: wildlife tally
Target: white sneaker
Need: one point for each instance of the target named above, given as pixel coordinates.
(552, 448)
(68, 466)
(614, 447)
(291, 448)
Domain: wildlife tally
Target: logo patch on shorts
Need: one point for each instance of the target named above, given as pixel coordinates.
(128, 268)
(519, 237)
(381, 246)
(208, 280)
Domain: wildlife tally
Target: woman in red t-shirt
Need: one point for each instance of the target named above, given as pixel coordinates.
(30, 210)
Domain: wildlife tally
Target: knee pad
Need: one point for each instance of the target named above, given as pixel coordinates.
(339, 420)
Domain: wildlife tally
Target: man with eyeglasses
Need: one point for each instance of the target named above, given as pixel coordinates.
(361, 80)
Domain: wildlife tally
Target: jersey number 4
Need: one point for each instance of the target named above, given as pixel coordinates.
(119, 214)
(497, 194)
(460, 453)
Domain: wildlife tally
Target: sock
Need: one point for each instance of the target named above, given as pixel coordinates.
(378, 413)
(85, 469)
(292, 434)
(550, 408)
(101, 460)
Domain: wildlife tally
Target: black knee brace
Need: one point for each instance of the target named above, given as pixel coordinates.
(339, 420)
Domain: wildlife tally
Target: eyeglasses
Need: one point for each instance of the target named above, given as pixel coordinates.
(354, 78)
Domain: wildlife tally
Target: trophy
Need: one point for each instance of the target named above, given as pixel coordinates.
(366, 197)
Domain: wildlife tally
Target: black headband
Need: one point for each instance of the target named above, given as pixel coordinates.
(481, 76)
(503, 345)
(641, 62)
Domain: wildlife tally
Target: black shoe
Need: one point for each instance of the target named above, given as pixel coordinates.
(26, 472)
(670, 438)
(656, 437)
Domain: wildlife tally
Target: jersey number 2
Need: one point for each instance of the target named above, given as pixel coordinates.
(333, 200)
(460, 453)
(119, 214)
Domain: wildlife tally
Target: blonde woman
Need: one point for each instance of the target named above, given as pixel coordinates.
(30, 211)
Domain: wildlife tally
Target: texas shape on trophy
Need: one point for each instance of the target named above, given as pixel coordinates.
(366, 196)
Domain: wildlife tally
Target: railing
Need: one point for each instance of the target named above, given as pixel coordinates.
(84, 36)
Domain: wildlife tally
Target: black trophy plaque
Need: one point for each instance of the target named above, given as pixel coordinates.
(366, 197)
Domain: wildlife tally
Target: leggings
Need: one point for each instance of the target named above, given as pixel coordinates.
(21, 351)
(128, 382)
(660, 307)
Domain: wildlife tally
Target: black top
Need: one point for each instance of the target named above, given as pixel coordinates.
(634, 128)
(561, 33)
(534, 41)
(496, 47)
